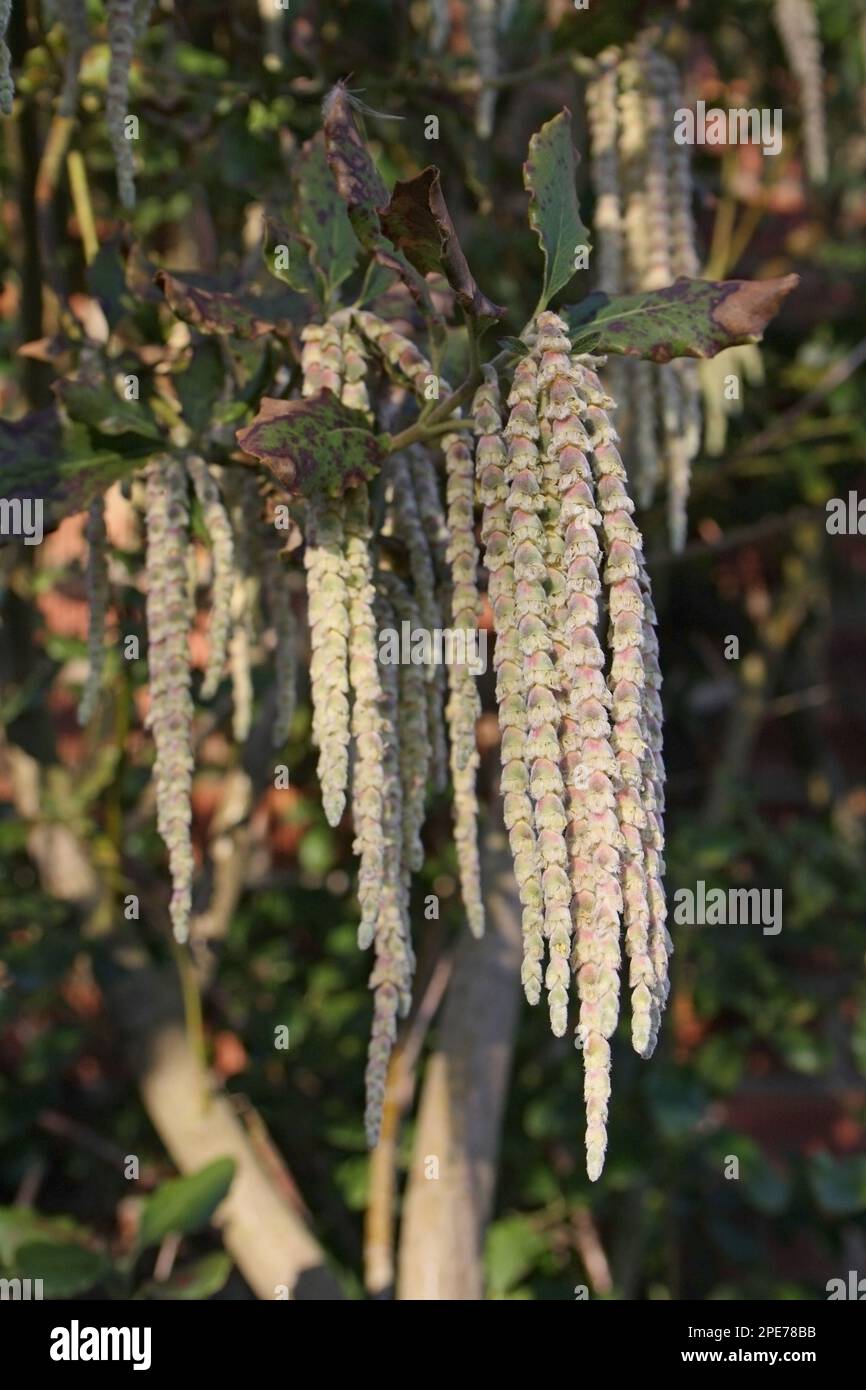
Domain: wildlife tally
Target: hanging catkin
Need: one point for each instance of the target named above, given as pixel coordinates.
(797, 24)
(391, 979)
(501, 564)
(278, 597)
(401, 358)
(121, 43)
(245, 511)
(96, 582)
(7, 86)
(219, 530)
(414, 751)
(170, 712)
(484, 30)
(464, 705)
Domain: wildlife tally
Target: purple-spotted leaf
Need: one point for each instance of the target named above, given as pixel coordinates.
(690, 318)
(201, 301)
(360, 185)
(419, 224)
(549, 179)
(323, 220)
(313, 446)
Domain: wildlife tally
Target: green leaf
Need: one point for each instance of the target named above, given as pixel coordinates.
(97, 404)
(419, 224)
(313, 446)
(839, 1184)
(322, 217)
(360, 186)
(209, 307)
(185, 1204)
(513, 1247)
(690, 318)
(200, 1280)
(377, 279)
(299, 273)
(549, 178)
(42, 457)
(199, 385)
(23, 1226)
(65, 1269)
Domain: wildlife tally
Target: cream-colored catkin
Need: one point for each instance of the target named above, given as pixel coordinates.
(171, 711)
(7, 86)
(368, 733)
(73, 13)
(410, 527)
(722, 379)
(797, 23)
(219, 529)
(400, 357)
(500, 559)
(278, 597)
(325, 562)
(121, 44)
(652, 832)
(96, 584)
(414, 750)
(464, 704)
(391, 978)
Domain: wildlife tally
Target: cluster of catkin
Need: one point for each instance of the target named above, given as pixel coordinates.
(580, 714)
(378, 722)
(240, 545)
(646, 238)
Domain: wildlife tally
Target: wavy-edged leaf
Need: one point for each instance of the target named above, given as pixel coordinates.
(97, 405)
(549, 178)
(185, 1204)
(57, 463)
(690, 318)
(360, 185)
(313, 446)
(419, 224)
(201, 301)
(323, 219)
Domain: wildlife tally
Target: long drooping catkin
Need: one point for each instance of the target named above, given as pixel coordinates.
(391, 978)
(797, 24)
(245, 511)
(411, 529)
(325, 561)
(278, 596)
(97, 599)
(464, 705)
(501, 563)
(121, 44)
(170, 712)
(219, 529)
(483, 27)
(414, 750)
(366, 721)
(7, 86)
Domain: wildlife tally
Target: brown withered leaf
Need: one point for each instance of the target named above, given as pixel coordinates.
(419, 224)
(202, 302)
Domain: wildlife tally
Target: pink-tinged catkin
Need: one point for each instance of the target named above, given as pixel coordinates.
(219, 530)
(171, 711)
(401, 358)
(391, 978)
(96, 582)
(491, 461)
(464, 705)
(368, 732)
(325, 561)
